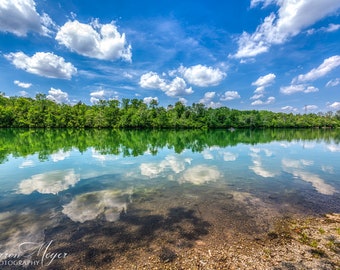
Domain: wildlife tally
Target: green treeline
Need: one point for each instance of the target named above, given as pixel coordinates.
(44, 142)
(135, 114)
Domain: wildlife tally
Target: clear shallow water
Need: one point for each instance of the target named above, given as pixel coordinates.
(92, 192)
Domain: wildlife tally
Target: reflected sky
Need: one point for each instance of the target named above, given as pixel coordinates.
(93, 184)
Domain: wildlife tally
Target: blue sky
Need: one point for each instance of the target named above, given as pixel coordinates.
(279, 55)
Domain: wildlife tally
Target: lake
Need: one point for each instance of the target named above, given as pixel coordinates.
(104, 198)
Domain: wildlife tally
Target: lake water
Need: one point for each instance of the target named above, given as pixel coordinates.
(99, 197)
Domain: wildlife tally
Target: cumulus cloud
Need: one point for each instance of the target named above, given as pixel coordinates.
(207, 100)
(43, 64)
(95, 40)
(20, 17)
(58, 96)
(183, 100)
(208, 96)
(269, 100)
(327, 66)
(177, 87)
(296, 88)
(173, 88)
(202, 76)
(22, 84)
(147, 100)
(334, 106)
(152, 80)
(49, 182)
(230, 95)
(291, 18)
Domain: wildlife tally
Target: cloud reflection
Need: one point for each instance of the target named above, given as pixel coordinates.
(26, 163)
(228, 156)
(20, 227)
(200, 174)
(257, 166)
(89, 206)
(49, 183)
(297, 168)
(174, 163)
(60, 155)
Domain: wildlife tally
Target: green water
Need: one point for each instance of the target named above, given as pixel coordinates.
(94, 192)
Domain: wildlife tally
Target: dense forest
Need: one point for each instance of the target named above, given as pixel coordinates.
(40, 112)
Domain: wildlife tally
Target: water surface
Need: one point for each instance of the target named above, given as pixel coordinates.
(104, 197)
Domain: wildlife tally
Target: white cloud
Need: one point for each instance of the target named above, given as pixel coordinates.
(334, 82)
(327, 66)
(230, 95)
(174, 88)
(257, 96)
(311, 107)
(269, 100)
(334, 106)
(207, 100)
(202, 76)
(208, 96)
(57, 96)
(22, 84)
(289, 108)
(296, 88)
(330, 28)
(292, 17)
(102, 94)
(261, 83)
(200, 174)
(23, 93)
(100, 41)
(265, 81)
(152, 80)
(20, 17)
(49, 182)
(183, 100)
(147, 100)
(177, 87)
(43, 64)
(266, 3)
